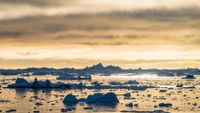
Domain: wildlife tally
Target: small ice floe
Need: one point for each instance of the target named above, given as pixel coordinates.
(70, 99)
(115, 83)
(165, 105)
(88, 108)
(135, 111)
(179, 85)
(189, 76)
(11, 110)
(64, 110)
(39, 103)
(189, 86)
(67, 109)
(194, 104)
(166, 86)
(127, 95)
(163, 91)
(4, 101)
(130, 105)
(103, 99)
(130, 82)
(95, 82)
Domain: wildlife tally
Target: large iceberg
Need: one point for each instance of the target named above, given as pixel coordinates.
(102, 99)
(22, 83)
(108, 99)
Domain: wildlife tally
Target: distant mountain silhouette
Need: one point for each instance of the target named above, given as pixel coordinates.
(99, 69)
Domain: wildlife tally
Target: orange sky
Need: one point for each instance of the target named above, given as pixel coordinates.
(76, 33)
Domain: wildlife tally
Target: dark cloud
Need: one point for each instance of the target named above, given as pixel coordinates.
(154, 25)
(157, 13)
(104, 43)
(11, 34)
(54, 28)
(38, 3)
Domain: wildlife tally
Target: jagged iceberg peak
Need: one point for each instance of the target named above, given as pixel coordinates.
(36, 83)
(98, 66)
(22, 83)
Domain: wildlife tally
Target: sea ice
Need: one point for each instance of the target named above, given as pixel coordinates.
(70, 99)
(102, 99)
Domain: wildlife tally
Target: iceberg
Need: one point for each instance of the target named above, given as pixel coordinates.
(108, 99)
(22, 83)
(165, 105)
(127, 95)
(129, 105)
(189, 76)
(130, 82)
(70, 99)
(103, 99)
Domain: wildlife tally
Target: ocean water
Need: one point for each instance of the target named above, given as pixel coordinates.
(50, 100)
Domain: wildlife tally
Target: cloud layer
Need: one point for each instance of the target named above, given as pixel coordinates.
(125, 32)
(12, 9)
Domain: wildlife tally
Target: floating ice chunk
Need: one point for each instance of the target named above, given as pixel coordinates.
(102, 99)
(127, 95)
(189, 76)
(129, 105)
(115, 83)
(20, 82)
(70, 99)
(135, 111)
(179, 85)
(131, 82)
(88, 108)
(165, 105)
(11, 110)
(36, 83)
(163, 91)
(48, 83)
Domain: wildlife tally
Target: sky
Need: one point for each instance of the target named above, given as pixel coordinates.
(79, 33)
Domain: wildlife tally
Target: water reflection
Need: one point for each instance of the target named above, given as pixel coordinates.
(21, 91)
(45, 100)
